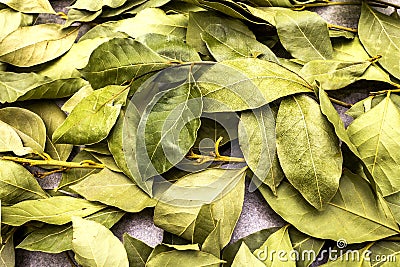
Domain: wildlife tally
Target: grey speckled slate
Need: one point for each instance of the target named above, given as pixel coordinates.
(256, 213)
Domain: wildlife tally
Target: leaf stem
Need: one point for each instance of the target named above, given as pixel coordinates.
(339, 27)
(52, 162)
(45, 174)
(341, 103)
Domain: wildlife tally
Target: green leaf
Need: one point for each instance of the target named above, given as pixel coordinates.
(225, 93)
(226, 43)
(70, 104)
(198, 22)
(212, 243)
(75, 175)
(107, 160)
(278, 241)
(76, 15)
(43, 109)
(7, 253)
(123, 59)
(97, 5)
(345, 211)
(375, 135)
(310, 155)
(258, 144)
(12, 20)
(244, 257)
(382, 250)
(58, 238)
(185, 258)
(10, 140)
(333, 74)
(138, 251)
(30, 6)
(306, 246)
(29, 126)
(304, 34)
(167, 143)
(393, 202)
(55, 210)
(170, 47)
(378, 34)
(113, 189)
(17, 184)
(95, 245)
(33, 45)
(222, 189)
(92, 119)
(148, 4)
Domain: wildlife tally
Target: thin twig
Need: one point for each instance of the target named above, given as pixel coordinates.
(88, 164)
(338, 27)
(341, 103)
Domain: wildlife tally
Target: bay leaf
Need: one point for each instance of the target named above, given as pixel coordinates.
(92, 119)
(94, 244)
(384, 253)
(179, 210)
(12, 20)
(226, 93)
(212, 242)
(18, 184)
(310, 156)
(393, 202)
(76, 15)
(333, 74)
(350, 258)
(127, 6)
(307, 246)
(124, 59)
(55, 210)
(29, 126)
(7, 253)
(170, 47)
(33, 45)
(73, 176)
(113, 189)
(304, 34)
(258, 143)
(179, 109)
(43, 109)
(97, 5)
(108, 161)
(244, 257)
(138, 251)
(226, 43)
(374, 135)
(30, 6)
(70, 104)
(198, 22)
(378, 34)
(344, 216)
(10, 140)
(176, 258)
(148, 4)
(58, 238)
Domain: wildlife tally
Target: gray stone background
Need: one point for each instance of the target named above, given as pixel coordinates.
(256, 213)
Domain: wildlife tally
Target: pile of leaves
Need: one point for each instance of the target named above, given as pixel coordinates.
(154, 99)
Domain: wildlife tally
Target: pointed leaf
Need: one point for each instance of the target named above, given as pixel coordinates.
(95, 245)
(30, 6)
(137, 251)
(12, 20)
(375, 135)
(10, 140)
(92, 119)
(344, 216)
(310, 155)
(244, 257)
(113, 189)
(29, 46)
(55, 210)
(304, 34)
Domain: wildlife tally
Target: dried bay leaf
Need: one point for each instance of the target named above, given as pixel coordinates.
(76, 15)
(7, 253)
(225, 43)
(114, 189)
(92, 119)
(58, 238)
(55, 210)
(304, 34)
(29, 126)
(12, 20)
(33, 45)
(384, 253)
(138, 252)
(345, 215)
(244, 257)
(309, 155)
(306, 246)
(94, 244)
(378, 34)
(70, 104)
(123, 59)
(374, 135)
(30, 6)
(176, 258)
(18, 184)
(97, 5)
(10, 140)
